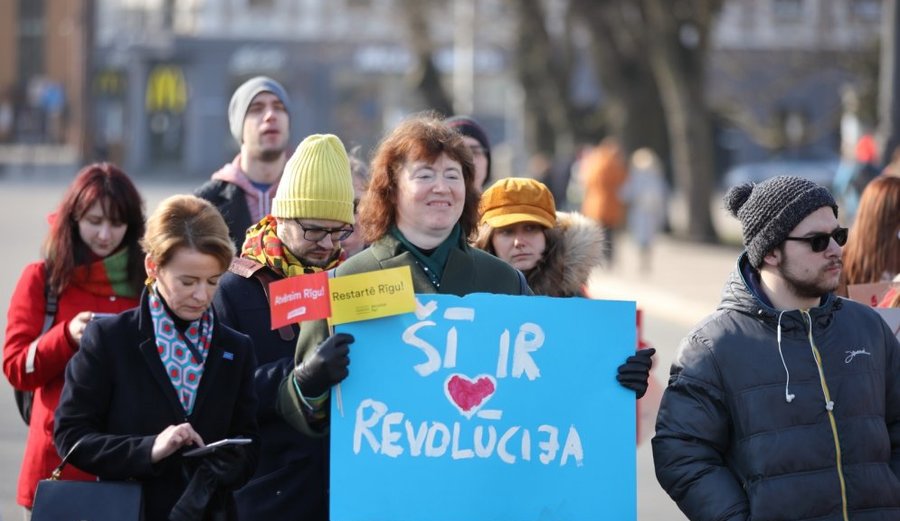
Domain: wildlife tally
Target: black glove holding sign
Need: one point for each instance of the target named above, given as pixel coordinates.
(326, 367)
(635, 372)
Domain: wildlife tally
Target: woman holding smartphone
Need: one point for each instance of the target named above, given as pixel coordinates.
(92, 263)
(154, 382)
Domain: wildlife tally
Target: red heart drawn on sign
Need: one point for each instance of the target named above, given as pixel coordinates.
(467, 394)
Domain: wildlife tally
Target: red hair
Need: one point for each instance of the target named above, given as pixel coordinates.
(422, 137)
(873, 248)
(64, 249)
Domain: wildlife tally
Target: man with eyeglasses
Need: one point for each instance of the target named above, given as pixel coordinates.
(785, 403)
(312, 212)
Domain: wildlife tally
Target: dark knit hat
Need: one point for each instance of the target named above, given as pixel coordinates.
(768, 211)
(243, 96)
(469, 127)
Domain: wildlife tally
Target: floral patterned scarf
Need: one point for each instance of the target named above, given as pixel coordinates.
(263, 246)
(179, 351)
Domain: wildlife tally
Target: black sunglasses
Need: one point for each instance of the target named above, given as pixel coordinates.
(819, 241)
(316, 234)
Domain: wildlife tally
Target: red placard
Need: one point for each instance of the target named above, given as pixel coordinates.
(300, 298)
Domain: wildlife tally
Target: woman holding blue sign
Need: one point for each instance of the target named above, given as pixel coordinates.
(152, 382)
(419, 211)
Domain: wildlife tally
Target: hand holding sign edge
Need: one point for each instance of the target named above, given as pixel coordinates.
(326, 367)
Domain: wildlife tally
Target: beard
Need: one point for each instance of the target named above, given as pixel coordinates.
(270, 156)
(807, 288)
(306, 261)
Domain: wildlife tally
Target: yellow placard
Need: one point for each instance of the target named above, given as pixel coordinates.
(374, 294)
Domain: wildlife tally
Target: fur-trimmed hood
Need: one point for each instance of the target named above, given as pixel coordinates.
(574, 247)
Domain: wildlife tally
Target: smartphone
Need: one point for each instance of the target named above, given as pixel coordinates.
(95, 316)
(210, 447)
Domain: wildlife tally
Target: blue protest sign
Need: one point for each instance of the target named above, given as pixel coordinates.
(487, 407)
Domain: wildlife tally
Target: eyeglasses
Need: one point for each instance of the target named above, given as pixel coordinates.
(819, 242)
(316, 234)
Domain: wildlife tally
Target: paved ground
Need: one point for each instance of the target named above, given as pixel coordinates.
(683, 287)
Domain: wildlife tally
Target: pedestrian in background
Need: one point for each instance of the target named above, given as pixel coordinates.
(872, 253)
(477, 140)
(166, 376)
(603, 172)
(785, 403)
(259, 119)
(555, 250)
(419, 210)
(646, 194)
(91, 264)
(311, 214)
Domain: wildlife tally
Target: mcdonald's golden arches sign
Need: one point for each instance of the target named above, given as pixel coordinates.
(166, 89)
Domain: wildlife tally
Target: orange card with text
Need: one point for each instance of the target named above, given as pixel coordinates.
(299, 298)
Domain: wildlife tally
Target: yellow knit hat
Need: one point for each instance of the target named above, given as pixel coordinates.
(316, 182)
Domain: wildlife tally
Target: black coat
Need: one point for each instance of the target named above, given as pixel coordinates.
(743, 435)
(288, 483)
(117, 398)
(231, 202)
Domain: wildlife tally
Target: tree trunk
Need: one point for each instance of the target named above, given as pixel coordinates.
(425, 77)
(679, 74)
(545, 81)
(632, 106)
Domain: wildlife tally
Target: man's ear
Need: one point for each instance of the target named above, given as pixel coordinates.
(773, 258)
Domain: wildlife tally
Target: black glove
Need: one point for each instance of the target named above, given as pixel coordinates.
(226, 465)
(326, 367)
(635, 372)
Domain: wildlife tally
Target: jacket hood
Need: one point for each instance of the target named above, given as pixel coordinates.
(259, 203)
(574, 247)
(232, 173)
(740, 294)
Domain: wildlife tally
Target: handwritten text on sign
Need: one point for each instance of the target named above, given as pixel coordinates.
(470, 401)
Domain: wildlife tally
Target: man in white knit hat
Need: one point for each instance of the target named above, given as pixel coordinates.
(312, 212)
(242, 190)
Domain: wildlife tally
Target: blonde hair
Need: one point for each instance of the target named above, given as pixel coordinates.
(186, 221)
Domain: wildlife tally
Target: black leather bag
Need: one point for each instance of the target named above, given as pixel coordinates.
(62, 500)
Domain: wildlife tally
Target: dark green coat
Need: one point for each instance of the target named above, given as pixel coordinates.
(468, 270)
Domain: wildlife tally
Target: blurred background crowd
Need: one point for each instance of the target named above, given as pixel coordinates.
(721, 91)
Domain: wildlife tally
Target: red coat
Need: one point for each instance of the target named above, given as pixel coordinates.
(24, 321)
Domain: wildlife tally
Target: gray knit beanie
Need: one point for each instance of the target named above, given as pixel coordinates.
(240, 102)
(768, 211)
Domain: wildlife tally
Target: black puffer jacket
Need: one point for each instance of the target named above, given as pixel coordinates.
(741, 435)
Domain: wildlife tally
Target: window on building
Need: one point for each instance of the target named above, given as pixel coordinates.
(31, 38)
(867, 10)
(787, 10)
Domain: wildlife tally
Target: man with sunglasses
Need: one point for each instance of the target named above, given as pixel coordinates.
(785, 403)
(312, 212)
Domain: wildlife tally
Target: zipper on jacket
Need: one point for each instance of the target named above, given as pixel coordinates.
(834, 432)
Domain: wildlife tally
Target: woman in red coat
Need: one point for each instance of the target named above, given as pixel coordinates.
(93, 264)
